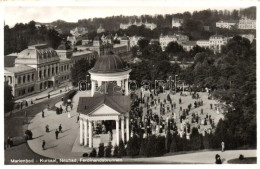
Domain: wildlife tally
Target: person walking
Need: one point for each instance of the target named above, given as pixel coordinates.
(43, 144)
(56, 133)
(42, 113)
(60, 129)
(47, 128)
(8, 142)
(222, 146)
(78, 119)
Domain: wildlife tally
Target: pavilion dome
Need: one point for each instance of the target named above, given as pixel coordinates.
(110, 63)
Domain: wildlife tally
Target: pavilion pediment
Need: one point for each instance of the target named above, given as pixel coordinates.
(104, 110)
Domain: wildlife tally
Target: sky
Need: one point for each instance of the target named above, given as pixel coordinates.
(72, 12)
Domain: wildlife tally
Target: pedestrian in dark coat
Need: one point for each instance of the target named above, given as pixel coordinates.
(60, 129)
(42, 113)
(56, 133)
(43, 144)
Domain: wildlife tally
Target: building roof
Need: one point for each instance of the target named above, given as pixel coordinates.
(36, 50)
(110, 63)
(87, 105)
(189, 43)
(124, 38)
(20, 68)
(9, 60)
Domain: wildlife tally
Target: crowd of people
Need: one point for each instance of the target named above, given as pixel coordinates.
(152, 115)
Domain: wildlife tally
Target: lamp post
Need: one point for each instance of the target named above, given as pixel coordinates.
(175, 83)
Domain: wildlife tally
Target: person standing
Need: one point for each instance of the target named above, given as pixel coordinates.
(222, 146)
(43, 144)
(78, 119)
(60, 129)
(47, 128)
(57, 133)
(42, 113)
(8, 142)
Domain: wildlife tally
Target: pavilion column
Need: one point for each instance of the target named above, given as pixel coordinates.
(93, 87)
(127, 129)
(117, 132)
(126, 87)
(123, 129)
(85, 132)
(90, 133)
(119, 83)
(81, 131)
(99, 83)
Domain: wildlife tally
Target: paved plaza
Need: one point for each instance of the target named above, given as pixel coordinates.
(67, 144)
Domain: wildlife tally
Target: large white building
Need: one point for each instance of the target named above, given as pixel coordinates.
(176, 22)
(188, 45)
(100, 29)
(165, 40)
(40, 67)
(245, 23)
(226, 24)
(203, 43)
(216, 42)
(134, 40)
(78, 31)
(147, 25)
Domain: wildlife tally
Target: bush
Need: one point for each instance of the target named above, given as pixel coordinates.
(173, 147)
(143, 147)
(168, 141)
(133, 146)
(108, 150)
(155, 146)
(121, 149)
(93, 153)
(101, 150)
(115, 153)
(85, 155)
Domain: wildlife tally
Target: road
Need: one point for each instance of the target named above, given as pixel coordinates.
(14, 127)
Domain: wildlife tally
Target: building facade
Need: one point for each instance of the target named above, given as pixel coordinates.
(165, 40)
(40, 67)
(147, 25)
(203, 43)
(216, 42)
(134, 40)
(22, 79)
(226, 24)
(245, 23)
(176, 22)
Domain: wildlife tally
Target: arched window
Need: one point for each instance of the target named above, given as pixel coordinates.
(24, 78)
(28, 78)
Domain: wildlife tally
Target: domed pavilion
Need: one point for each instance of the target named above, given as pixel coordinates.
(108, 105)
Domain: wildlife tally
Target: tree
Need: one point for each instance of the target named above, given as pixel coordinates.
(93, 153)
(101, 149)
(108, 150)
(121, 149)
(115, 153)
(173, 48)
(168, 142)
(143, 147)
(8, 98)
(133, 146)
(79, 71)
(143, 43)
